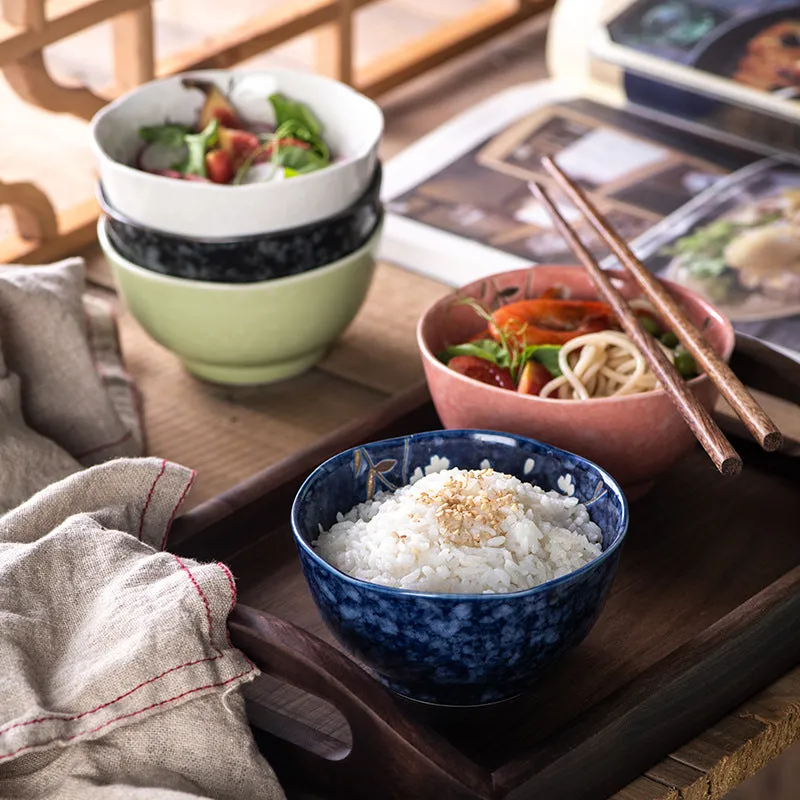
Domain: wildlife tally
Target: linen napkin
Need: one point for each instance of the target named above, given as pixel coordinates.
(117, 677)
(65, 399)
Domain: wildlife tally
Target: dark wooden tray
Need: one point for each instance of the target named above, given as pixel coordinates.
(704, 612)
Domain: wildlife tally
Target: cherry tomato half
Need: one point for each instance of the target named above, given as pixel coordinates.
(479, 369)
(533, 378)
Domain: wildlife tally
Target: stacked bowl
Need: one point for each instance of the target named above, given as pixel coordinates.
(250, 274)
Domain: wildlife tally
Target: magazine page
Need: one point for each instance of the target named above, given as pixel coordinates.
(459, 203)
(743, 52)
(738, 244)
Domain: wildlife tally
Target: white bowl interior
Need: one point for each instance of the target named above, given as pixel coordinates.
(352, 123)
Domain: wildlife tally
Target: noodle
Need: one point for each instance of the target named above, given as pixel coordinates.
(603, 364)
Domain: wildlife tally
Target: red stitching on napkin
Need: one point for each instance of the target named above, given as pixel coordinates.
(109, 702)
(177, 506)
(203, 598)
(234, 597)
(229, 576)
(218, 652)
(132, 713)
(149, 498)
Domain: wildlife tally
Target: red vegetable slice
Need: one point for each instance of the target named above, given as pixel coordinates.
(533, 378)
(481, 370)
(239, 145)
(216, 105)
(219, 167)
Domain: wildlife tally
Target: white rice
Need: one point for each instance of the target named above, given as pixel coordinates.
(460, 531)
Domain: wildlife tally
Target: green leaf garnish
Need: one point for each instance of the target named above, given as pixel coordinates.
(171, 135)
(487, 349)
(294, 120)
(546, 355)
(507, 352)
(198, 145)
(287, 110)
(298, 159)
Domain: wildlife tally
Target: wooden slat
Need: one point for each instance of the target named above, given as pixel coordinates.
(28, 14)
(740, 745)
(76, 226)
(31, 211)
(63, 20)
(445, 42)
(334, 44)
(728, 753)
(134, 53)
(685, 782)
(645, 789)
(270, 29)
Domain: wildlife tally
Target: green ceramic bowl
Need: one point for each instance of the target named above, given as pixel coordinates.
(246, 333)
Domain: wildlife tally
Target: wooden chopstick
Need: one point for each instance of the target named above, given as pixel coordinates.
(763, 429)
(708, 433)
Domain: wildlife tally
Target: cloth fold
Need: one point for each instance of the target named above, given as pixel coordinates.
(117, 676)
(65, 398)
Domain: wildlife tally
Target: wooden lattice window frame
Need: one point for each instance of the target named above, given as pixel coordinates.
(32, 25)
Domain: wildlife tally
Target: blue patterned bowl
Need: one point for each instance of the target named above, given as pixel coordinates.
(457, 649)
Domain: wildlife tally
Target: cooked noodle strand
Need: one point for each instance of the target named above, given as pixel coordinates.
(603, 364)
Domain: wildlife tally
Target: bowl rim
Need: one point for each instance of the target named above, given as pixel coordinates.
(366, 199)
(108, 248)
(460, 433)
(337, 166)
(594, 402)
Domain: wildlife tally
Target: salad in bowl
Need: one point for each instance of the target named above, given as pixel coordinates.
(228, 153)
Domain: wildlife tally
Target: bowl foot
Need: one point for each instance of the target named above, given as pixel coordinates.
(443, 704)
(255, 375)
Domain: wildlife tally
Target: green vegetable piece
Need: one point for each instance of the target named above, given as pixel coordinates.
(169, 135)
(487, 349)
(650, 325)
(289, 110)
(684, 363)
(669, 339)
(294, 120)
(198, 145)
(298, 159)
(547, 356)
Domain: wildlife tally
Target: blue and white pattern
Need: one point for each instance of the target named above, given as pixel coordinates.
(446, 648)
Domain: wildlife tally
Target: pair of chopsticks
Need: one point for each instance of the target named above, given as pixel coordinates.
(708, 433)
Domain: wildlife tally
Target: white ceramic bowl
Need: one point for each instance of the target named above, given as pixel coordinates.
(246, 333)
(353, 126)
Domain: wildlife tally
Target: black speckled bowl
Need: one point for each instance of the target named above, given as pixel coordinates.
(248, 259)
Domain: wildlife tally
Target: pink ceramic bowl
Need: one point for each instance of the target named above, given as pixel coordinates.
(635, 437)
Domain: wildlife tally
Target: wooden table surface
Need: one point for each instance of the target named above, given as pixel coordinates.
(228, 434)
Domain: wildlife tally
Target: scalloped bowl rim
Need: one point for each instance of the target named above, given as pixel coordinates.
(464, 433)
(430, 357)
(203, 285)
(335, 166)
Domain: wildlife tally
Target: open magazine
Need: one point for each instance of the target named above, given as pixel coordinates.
(707, 206)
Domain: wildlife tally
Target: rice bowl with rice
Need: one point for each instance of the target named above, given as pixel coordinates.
(461, 531)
